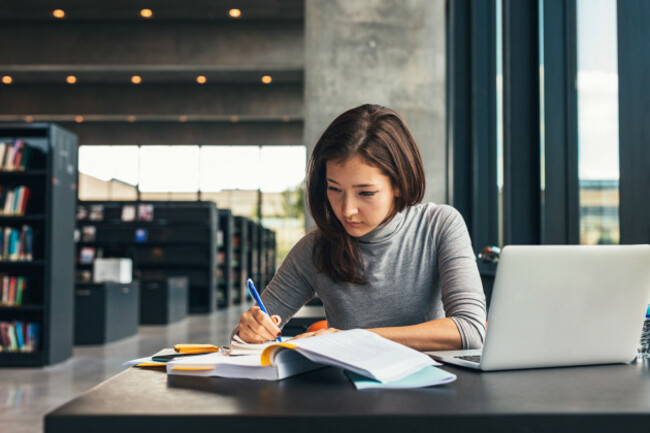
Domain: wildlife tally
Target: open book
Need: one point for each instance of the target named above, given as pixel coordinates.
(358, 351)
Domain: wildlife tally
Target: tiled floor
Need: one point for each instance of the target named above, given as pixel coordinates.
(26, 395)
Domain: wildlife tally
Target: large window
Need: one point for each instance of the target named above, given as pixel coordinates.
(598, 121)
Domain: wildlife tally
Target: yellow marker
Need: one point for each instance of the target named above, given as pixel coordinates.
(150, 364)
(195, 348)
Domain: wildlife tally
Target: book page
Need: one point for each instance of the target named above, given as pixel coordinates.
(365, 353)
(240, 347)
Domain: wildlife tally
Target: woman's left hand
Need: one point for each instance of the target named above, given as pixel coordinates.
(319, 332)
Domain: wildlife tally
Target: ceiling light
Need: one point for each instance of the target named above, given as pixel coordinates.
(234, 13)
(234, 119)
(201, 79)
(286, 118)
(7, 79)
(182, 119)
(130, 119)
(136, 79)
(29, 119)
(78, 119)
(267, 79)
(58, 13)
(146, 13)
(71, 79)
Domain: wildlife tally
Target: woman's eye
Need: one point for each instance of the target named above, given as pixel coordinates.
(331, 188)
(367, 193)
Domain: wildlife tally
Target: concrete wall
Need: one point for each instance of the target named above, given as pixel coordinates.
(389, 52)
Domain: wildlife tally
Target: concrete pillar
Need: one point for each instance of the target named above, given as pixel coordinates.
(389, 52)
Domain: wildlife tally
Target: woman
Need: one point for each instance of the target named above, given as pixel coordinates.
(377, 259)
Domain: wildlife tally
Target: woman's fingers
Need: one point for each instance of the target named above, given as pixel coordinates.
(255, 326)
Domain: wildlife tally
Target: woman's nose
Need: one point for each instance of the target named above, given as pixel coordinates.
(349, 206)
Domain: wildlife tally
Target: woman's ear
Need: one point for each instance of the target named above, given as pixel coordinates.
(397, 192)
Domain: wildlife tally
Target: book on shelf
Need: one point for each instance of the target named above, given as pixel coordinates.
(12, 289)
(364, 353)
(83, 276)
(16, 244)
(96, 212)
(145, 212)
(13, 200)
(82, 212)
(14, 156)
(88, 233)
(86, 255)
(128, 213)
(18, 336)
(141, 235)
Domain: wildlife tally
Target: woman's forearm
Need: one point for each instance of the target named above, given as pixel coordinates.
(440, 334)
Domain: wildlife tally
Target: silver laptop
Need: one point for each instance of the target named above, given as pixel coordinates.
(563, 305)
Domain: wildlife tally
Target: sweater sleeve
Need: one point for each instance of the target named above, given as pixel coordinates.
(462, 290)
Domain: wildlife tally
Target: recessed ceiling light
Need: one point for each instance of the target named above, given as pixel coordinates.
(29, 119)
(267, 79)
(71, 79)
(201, 79)
(286, 118)
(146, 13)
(79, 119)
(234, 119)
(7, 79)
(136, 79)
(182, 118)
(130, 119)
(234, 13)
(58, 13)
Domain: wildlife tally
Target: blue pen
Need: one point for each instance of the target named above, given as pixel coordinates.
(256, 296)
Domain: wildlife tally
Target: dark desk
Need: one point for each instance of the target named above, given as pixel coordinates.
(579, 399)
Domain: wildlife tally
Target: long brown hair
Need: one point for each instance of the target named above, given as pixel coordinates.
(381, 138)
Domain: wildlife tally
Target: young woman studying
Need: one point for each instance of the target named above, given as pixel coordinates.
(378, 258)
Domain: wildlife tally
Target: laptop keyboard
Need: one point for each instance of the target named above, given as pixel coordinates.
(470, 358)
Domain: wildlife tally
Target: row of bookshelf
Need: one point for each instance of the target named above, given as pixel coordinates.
(38, 176)
(14, 156)
(16, 244)
(13, 200)
(19, 336)
(12, 290)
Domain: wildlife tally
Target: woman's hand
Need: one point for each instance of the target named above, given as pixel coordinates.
(255, 326)
(319, 332)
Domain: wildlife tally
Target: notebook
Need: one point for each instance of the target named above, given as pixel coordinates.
(563, 305)
(362, 352)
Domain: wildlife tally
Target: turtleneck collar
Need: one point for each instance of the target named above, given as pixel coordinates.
(385, 230)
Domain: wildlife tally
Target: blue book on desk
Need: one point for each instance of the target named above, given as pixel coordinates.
(428, 376)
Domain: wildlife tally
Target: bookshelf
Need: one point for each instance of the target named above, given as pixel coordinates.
(225, 258)
(164, 239)
(38, 181)
(253, 253)
(240, 260)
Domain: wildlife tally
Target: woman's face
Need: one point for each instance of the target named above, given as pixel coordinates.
(361, 195)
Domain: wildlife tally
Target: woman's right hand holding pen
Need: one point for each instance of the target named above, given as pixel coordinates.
(255, 326)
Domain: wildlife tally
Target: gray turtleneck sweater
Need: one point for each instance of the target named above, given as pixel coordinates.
(420, 266)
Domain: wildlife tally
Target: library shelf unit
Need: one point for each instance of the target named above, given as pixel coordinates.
(163, 239)
(37, 225)
(225, 269)
(240, 267)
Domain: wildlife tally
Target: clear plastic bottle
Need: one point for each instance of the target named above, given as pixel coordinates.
(644, 346)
